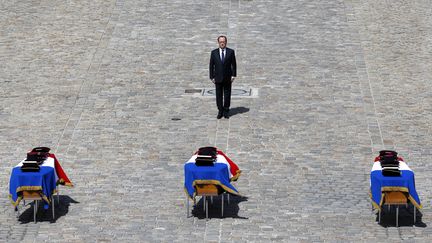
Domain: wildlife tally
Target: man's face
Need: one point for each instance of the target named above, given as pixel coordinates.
(222, 42)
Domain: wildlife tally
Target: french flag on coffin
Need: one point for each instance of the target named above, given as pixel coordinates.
(43, 173)
(210, 166)
(62, 177)
(401, 180)
(222, 158)
(43, 154)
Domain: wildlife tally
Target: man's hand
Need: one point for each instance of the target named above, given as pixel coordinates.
(232, 79)
(213, 81)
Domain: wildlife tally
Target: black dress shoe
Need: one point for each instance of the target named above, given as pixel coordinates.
(219, 116)
(226, 115)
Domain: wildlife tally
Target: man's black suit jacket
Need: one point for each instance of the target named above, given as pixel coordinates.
(222, 72)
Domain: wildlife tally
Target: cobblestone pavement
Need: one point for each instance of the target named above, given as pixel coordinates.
(101, 81)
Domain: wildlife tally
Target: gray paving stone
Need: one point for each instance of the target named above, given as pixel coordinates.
(100, 81)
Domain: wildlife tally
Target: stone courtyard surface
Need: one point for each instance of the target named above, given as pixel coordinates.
(101, 83)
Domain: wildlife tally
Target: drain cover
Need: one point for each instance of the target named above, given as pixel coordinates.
(192, 91)
(239, 92)
(234, 92)
(176, 119)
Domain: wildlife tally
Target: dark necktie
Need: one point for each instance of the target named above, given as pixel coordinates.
(223, 55)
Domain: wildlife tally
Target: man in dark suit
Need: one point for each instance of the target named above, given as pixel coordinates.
(223, 70)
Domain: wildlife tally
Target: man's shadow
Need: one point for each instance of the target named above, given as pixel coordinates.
(61, 209)
(231, 209)
(238, 110)
(406, 217)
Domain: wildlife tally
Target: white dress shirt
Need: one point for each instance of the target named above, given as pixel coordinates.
(220, 53)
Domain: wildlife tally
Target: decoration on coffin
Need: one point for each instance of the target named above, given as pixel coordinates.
(206, 156)
(389, 163)
(34, 159)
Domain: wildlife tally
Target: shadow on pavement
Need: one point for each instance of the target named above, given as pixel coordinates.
(231, 210)
(406, 217)
(238, 110)
(61, 209)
